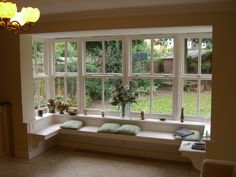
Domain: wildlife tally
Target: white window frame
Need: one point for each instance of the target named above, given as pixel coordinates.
(198, 77)
(64, 74)
(152, 76)
(177, 76)
(43, 75)
(102, 75)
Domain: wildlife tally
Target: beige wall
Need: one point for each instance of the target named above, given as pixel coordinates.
(224, 72)
(10, 87)
(224, 56)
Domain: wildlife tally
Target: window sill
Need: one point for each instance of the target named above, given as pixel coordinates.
(167, 121)
(37, 118)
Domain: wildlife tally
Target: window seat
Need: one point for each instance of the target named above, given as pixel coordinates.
(155, 140)
(48, 132)
(160, 132)
(142, 136)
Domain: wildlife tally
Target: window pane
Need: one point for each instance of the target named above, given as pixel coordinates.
(59, 88)
(163, 96)
(93, 88)
(141, 50)
(72, 91)
(206, 56)
(190, 97)
(71, 57)
(33, 56)
(163, 55)
(38, 57)
(94, 56)
(107, 89)
(205, 98)
(143, 88)
(191, 55)
(60, 57)
(42, 92)
(113, 53)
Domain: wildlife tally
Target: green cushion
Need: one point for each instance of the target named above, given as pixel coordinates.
(72, 124)
(128, 129)
(193, 137)
(108, 128)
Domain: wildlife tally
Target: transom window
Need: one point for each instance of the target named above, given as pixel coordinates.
(171, 71)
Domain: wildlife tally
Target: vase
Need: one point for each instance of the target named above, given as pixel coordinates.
(51, 106)
(124, 111)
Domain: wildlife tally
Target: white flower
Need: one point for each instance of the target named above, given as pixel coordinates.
(130, 95)
(113, 88)
(126, 87)
(125, 98)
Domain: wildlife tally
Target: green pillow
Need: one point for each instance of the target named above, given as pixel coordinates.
(72, 124)
(193, 137)
(128, 129)
(109, 128)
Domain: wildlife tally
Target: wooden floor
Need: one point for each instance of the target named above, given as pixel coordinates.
(65, 162)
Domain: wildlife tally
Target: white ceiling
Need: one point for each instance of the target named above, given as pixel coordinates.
(64, 6)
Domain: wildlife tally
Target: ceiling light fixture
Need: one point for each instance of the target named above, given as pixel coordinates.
(12, 20)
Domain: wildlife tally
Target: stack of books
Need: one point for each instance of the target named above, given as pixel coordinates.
(198, 146)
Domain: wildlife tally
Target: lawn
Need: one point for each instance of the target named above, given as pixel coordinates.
(163, 103)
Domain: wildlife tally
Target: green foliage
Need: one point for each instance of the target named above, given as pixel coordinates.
(121, 95)
(93, 90)
(113, 52)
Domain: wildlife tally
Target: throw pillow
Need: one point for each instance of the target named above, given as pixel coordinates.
(128, 129)
(72, 124)
(108, 128)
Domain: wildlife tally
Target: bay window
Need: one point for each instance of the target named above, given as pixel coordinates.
(171, 71)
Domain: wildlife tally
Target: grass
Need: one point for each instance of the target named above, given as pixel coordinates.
(163, 103)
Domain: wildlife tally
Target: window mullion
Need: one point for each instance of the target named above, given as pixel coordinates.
(65, 67)
(103, 94)
(126, 47)
(199, 74)
(151, 96)
(81, 80)
(198, 96)
(37, 92)
(48, 54)
(65, 88)
(103, 58)
(53, 69)
(178, 80)
(35, 60)
(199, 56)
(152, 61)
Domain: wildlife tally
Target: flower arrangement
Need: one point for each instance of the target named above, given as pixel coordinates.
(61, 106)
(122, 95)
